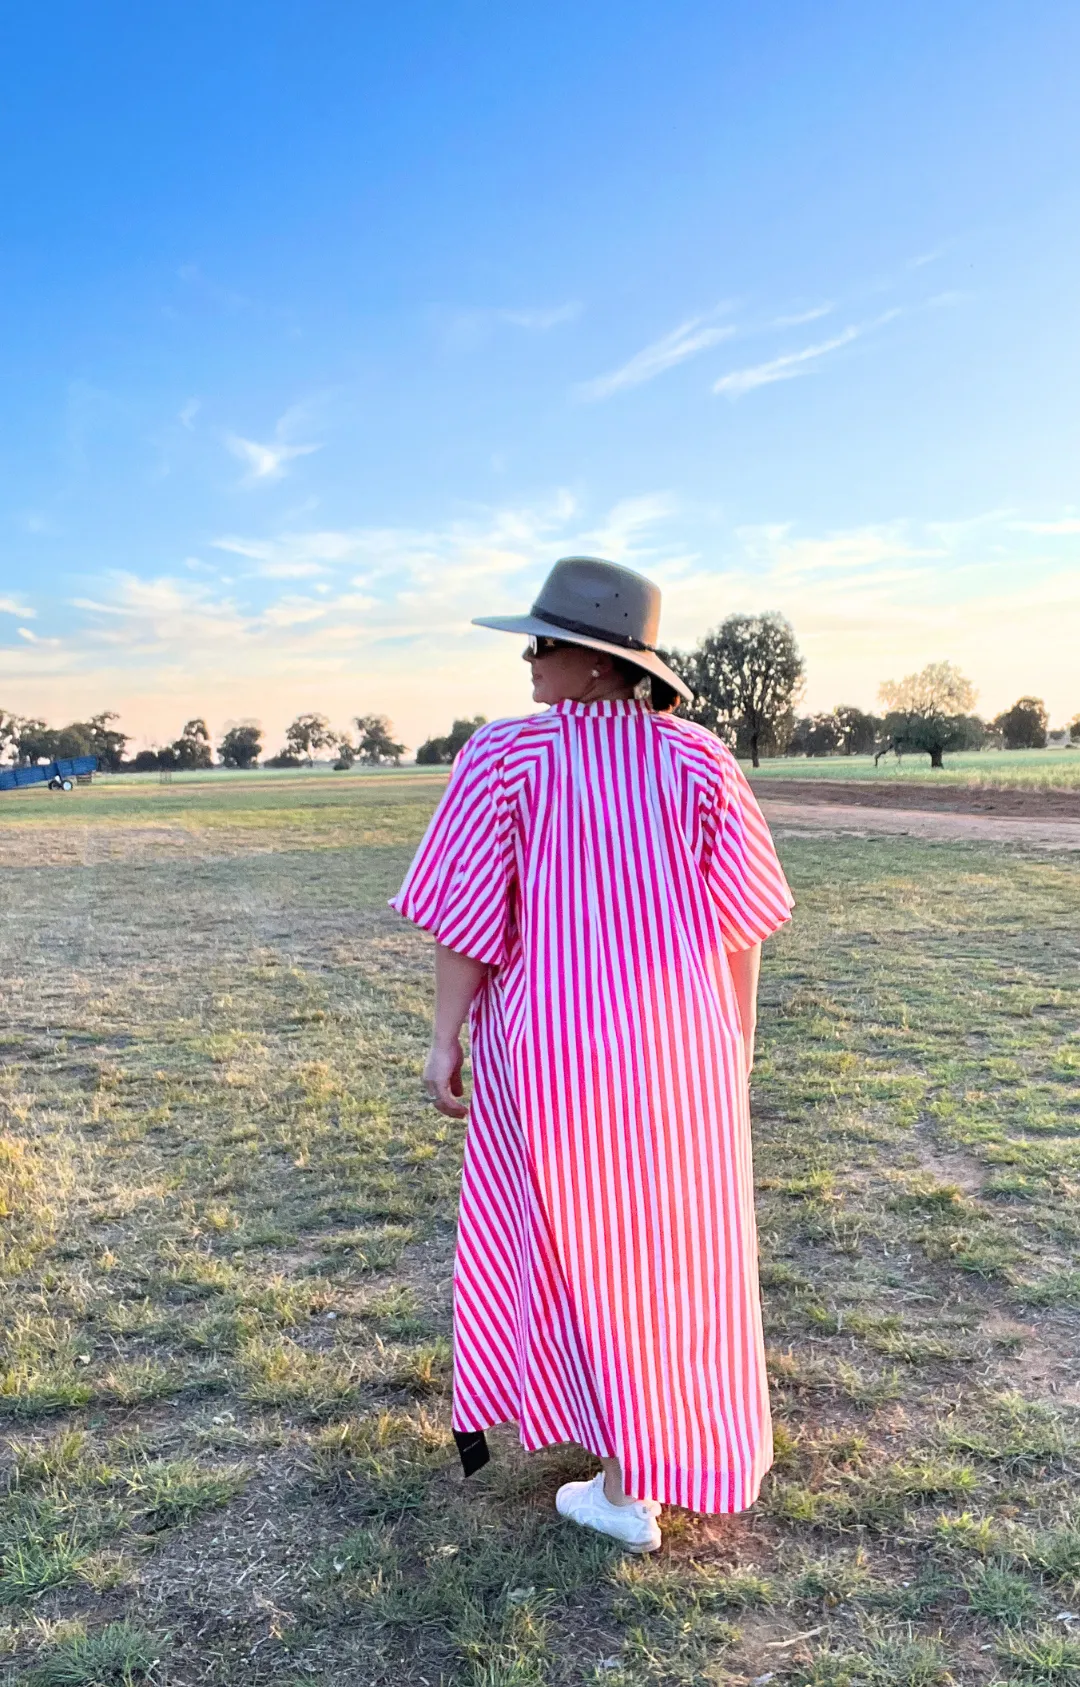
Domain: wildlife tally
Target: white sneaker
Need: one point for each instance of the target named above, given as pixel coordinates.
(634, 1524)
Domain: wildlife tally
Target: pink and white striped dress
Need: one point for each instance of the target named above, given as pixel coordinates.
(604, 861)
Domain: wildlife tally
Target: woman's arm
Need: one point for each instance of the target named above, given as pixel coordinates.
(745, 965)
(457, 979)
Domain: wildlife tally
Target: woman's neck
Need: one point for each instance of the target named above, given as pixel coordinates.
(598, 692)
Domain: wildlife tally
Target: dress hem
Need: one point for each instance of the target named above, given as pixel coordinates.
(662, 1498)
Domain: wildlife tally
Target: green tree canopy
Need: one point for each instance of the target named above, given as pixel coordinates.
(376, 747)
(929, 711)
(28, 741)
(746, 677)
(34, 741)
(438, 751)
(10, 727)
(192, 749)
(1023, 727)
(858, 731)
(815, 735)
(241, 745)
(105, 742)
(308, 734)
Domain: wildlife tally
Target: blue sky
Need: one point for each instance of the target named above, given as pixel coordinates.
(328, 326)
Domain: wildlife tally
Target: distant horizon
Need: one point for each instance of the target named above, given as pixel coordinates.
(274, 740)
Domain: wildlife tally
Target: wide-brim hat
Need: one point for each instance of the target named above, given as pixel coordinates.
(588, 601)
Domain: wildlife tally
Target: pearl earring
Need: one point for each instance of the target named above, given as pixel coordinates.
(596, 673)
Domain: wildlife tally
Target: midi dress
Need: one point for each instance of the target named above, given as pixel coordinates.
(604, 861)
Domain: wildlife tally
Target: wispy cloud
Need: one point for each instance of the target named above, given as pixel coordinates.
(793, 363)
(784, 368)
(466, 329)
(293, 556)
(11, 606)
(186, 417)
(270, 461)
(814, 314)
(689, 339)
(793, 561)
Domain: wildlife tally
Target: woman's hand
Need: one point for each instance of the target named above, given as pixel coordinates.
(442, 1077)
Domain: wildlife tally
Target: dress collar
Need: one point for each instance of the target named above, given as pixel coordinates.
(604, 706)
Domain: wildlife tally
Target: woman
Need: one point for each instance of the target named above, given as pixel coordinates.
(599, 880)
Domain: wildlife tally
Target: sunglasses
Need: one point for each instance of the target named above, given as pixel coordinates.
(538, 645)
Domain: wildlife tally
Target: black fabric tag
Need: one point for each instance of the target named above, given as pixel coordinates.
(473, 1448)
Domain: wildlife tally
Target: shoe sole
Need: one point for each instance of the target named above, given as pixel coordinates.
(630, 1546)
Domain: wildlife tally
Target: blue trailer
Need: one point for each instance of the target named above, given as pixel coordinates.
(58, 775)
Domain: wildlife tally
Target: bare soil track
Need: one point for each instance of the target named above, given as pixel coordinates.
(950, 799)
(804, 817)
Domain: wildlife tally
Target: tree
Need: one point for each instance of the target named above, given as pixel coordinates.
(376, 747)
(34, 742)
(1023, 727)
(1074, 730)
(746, 675)
(192, 749)
(9, 734)
(858, 730)
(73, 740)
(438, 751)
(106, 743)
(307, 734)
(346, 755)
(28, 742)
(241, 745)
(927, 711)
(815, 735)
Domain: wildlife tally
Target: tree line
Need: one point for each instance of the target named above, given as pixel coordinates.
(747, 677)
(25, 742)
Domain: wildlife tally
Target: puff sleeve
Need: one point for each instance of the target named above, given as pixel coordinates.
(741, 867)
(459, 887)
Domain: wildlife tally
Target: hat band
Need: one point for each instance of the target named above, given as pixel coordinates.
(627, 640)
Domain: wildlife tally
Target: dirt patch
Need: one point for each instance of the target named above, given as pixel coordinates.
(949, 799)
(819, 817)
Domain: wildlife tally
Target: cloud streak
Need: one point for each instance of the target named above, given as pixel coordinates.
(689, 339)
(793, 363)
(11, 606)
(813, 315)
(784, 368)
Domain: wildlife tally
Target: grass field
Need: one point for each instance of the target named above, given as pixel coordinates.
(228, 1235)
(1040, 770)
